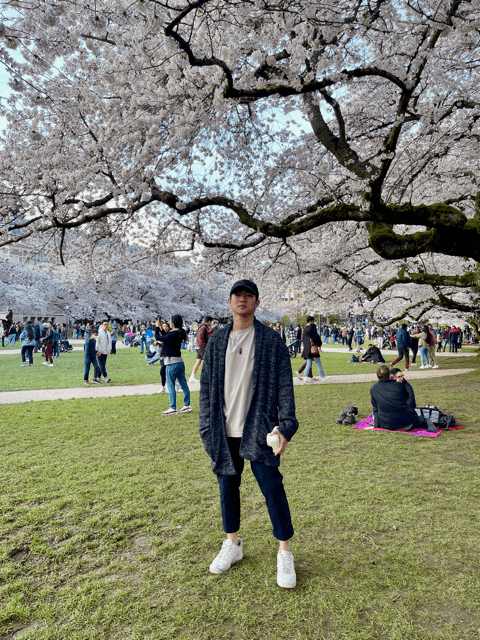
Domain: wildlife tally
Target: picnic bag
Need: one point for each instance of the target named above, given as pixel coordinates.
(443, 420)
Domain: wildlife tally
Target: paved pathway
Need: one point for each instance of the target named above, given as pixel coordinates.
(390, 353)
(108, 391)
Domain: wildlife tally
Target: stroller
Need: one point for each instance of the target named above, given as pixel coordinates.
(294, 348)
(135, 341)
(386, 343)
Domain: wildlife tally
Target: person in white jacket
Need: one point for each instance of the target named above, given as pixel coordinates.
(103, 346)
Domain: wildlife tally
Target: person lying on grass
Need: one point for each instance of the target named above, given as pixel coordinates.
(390, 408)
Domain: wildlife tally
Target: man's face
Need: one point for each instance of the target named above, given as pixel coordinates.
(243, 303)
(398, 377)
(104, 326)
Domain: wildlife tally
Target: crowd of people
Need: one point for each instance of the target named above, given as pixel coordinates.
(39, 337)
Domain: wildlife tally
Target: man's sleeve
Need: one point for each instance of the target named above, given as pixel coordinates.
(288, 423)
(204, 400)
(376, 422)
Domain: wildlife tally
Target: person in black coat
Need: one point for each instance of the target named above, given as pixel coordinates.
(390, 408)
(397, 374)
(312, 339)
(246, 394)
(372, 355)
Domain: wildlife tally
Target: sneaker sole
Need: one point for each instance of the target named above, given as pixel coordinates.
(287, 584)
(214, 569)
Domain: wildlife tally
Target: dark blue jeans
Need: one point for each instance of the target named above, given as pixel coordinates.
(270, 482)
(27, 353)
(101, 362)
(176, 371)
(96, 370)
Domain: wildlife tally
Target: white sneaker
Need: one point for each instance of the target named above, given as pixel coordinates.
(428, 366)
(170, 412)
(45, 363)
(50, 365)
(286, 576)
(192, 378)
(324, 379)
(435, 367)
(299, 375)
(229, 554)
(24, 364)
(307, 379)
(162, 390)
(413, 364)
(422, 367)
(185, 409)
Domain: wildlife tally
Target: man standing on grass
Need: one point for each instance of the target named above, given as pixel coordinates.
(104, 346)
(246, 393)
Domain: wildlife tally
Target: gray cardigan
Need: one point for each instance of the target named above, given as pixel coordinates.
(273, 402)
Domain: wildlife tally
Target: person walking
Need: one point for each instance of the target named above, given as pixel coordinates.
(404, 342)
(453, 340)
(201, 343)
(48, 344)
(90, 358)
(311, 351)
(27, 338)
(161, 330)
(36, 330)
(143, 338)
(103, 346)
(246, 394)
(359, 338)
(423, 345)
(114, 336)
(12, 335)
(350, 333)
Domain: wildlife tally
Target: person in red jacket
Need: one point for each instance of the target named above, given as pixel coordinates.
(201, 342)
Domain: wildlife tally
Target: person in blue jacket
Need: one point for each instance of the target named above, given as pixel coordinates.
(404, 342)
(90, 357)
(246, 393)
(27, 338)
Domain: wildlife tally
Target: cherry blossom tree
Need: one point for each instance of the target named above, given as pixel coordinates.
(93, 293)
(261, 129)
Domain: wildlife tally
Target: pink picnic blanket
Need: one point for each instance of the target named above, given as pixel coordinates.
(367, 425)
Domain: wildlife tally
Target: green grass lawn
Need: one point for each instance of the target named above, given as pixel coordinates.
(129, 367)
(109, 519)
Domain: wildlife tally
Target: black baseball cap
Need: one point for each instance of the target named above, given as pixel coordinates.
(245, 284)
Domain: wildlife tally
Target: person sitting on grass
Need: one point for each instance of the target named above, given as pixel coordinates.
(390, 408)
(153, 352)
(372, 355)
(397, 375)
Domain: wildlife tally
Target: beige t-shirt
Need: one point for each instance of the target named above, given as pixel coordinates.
(238, 379)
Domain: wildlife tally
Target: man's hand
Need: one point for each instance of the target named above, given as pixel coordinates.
(283, 441)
